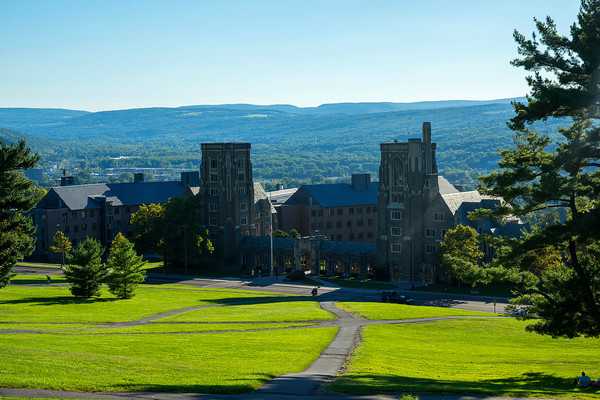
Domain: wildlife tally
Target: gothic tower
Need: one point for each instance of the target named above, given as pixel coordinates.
(227, 193)
(407, 185)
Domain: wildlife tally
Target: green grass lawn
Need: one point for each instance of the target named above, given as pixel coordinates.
(272, 311)
(210, 363)
(37, 265)
(55, 304)
(493, 356)
(375, 310)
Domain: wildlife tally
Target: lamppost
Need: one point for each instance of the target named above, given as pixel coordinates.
(271, 234)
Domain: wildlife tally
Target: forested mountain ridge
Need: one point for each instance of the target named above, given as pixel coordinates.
(289, 143)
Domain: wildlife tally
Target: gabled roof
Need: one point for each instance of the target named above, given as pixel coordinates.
(335, 195)
(445, 186)
(455, 200)
(281, 196)
(79, 197)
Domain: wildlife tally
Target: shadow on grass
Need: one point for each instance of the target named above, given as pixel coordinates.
(533, 383)
(230, 386)
(60, 300)
(21, 281)
(244, 301)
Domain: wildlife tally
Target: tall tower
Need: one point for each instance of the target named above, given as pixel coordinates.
(227, 191)
(407, 185)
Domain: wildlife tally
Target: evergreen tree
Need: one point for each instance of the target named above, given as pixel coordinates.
(17, 196)
(61, 245)
(540, 175)
(85, 271)
(125, 268)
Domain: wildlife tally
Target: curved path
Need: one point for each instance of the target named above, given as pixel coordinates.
(305, 384)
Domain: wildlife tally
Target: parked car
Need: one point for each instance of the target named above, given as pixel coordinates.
(395, 297)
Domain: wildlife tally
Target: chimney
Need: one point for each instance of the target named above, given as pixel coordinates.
(190, 178)
(138, 177)
(427, 132)
(360, 182)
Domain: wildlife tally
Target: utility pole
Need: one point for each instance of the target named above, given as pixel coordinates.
(271, 234)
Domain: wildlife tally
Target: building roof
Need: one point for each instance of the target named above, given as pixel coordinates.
(445, 186)
(79, 197)
(260, 194)
(281, 196)
(455, 200)
(335, 195)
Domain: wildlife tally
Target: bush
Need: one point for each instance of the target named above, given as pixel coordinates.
(296, 275)
(85, 271)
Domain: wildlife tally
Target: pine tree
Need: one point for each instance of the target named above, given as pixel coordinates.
(540, 175)
(61, 245)
(85, 271)
(17, 196)
(125, 268)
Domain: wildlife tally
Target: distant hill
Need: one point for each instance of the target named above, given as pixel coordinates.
(289, 143)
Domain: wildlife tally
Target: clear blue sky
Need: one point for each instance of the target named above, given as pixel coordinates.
(98, 55)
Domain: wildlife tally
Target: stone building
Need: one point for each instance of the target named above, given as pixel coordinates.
(99, 210)
(339, 211)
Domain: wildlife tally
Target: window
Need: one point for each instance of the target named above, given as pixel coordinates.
(214, 163)
(320, 213)
(212, 220)
(241, 177)
(244, 220)
(397, 198)
(84, 227)
(351, 236)
(213, 206)
(429, 249)
(329, 225)
(214, 177)
(91, 213)
(83, 214)
(349, 224)
(214, 192)
(370, 235)
(438, 216)
(351, 211)
(340, 211)
(359, 210)
(338, 224)
(396, 215)
(128, 209)
(360, 235)
(369, 222)
(443, 233)
(67, 229)
(339, 237)
(430, 232)
(331, 212)
(117, 211)
(76, 228)
(94, 226)
(313, 213)
(243, 206)
(396, 248)
(395, 231)
(360, 222)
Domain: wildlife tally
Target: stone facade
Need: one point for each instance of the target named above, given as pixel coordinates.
(408, 184)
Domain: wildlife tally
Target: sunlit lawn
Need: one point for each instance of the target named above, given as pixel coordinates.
(490, 356)
(205, 363)
(375, 310)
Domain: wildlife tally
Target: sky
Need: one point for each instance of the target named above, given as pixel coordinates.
(114, 54)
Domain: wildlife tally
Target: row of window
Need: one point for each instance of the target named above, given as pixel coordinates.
(92, 213)
(397, 248)
(352, 236)
(340, 211)
(339, 224)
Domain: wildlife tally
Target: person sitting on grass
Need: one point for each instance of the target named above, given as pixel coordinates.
(584, 380)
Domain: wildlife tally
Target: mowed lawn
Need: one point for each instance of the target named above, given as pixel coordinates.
(229, 362)
(374, 311)
(20, 303)
(79, 349)
(480, 356)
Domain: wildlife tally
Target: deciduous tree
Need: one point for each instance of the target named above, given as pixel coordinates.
(61, 245)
